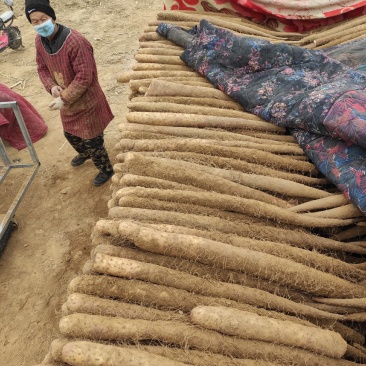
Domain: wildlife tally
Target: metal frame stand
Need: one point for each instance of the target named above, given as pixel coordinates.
(7, 223)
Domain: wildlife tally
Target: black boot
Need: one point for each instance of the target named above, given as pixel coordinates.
(79, 160)
(102, 177)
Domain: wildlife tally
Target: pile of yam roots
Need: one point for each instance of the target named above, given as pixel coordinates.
(223, 244)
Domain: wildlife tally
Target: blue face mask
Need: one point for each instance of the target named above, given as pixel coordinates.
(45, 29)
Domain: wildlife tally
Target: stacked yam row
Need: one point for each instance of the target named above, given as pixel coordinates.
(318, 39)
(223, 245)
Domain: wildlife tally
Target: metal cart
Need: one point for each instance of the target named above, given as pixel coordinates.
(7, 223)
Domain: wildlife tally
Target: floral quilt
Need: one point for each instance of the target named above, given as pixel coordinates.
(282, 15)
(321, 100)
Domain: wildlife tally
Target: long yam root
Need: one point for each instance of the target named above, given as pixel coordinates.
(203, 101)
(168, 88)
(96, 354)
(249, 207)
(307, 257)
(128, 268)
(223, 255)
(201, 358)
(188, 336)
(251, 326)
(256, 181)
(197, 120)
(321, 203)
(88, 304)
(156, 168)
(161, 297)
(298, 238)
(355, 303)
(197, 269)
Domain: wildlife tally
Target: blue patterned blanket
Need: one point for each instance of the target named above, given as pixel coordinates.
(321, 100)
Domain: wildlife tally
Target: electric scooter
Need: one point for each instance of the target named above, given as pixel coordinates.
(10, 35)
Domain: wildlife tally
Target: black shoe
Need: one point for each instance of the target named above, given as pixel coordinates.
(79, 160)
(101, 178)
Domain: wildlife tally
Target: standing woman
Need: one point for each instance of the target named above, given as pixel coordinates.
(67, 69)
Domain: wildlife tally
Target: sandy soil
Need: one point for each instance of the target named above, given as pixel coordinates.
(61, 206)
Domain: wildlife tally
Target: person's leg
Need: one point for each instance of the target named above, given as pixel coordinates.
(78, 144)
(96, 150)
(98, 153)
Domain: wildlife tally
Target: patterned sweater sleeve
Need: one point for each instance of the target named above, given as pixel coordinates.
(81, 60)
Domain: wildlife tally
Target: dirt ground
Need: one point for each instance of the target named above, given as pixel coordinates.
(61, 206)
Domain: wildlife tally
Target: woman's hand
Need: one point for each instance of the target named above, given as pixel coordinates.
(56, 104)
(56, 91)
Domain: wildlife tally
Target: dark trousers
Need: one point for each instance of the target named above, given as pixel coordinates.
(92, 148)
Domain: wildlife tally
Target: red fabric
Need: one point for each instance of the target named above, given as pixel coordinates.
(9, 127)
(86, 113)
(281, 15)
